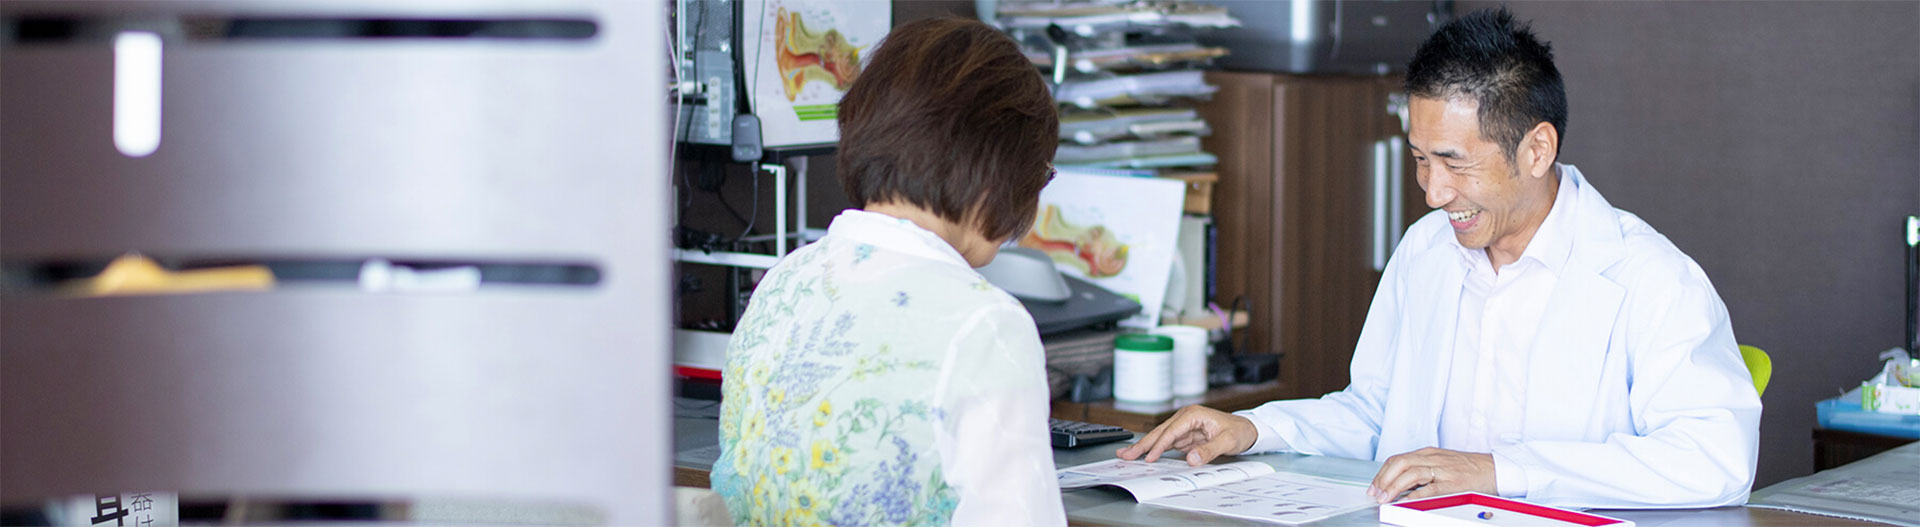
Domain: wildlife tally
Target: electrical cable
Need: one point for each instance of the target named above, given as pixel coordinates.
(742, 99)
(755, 181)
(759, 53)
(1238, 304)
(722, 197)
(688, 201)
(673, 149)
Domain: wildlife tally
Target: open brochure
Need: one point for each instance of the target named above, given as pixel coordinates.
(1246, 489)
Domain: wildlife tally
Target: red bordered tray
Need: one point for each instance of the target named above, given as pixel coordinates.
(1473, 509)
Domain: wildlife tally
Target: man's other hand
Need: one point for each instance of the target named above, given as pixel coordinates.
(1203, 433)
(1431, 472)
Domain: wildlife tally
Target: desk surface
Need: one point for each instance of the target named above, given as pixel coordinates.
(696, 444)
(1104, 506)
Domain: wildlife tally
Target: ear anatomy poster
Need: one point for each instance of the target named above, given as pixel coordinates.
(1118, 232)
(800, 56)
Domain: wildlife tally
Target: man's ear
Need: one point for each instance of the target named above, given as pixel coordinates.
(1539, 149)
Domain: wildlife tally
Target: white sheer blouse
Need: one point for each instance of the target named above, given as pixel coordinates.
(876, 379)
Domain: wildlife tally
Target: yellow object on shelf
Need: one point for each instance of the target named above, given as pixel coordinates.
(1199, 199)
(1209, 321)
(133, 274)
(1758, 365)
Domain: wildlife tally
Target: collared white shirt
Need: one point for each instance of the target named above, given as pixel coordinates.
(1486, 388)
(1500, 313)
(1636, 393)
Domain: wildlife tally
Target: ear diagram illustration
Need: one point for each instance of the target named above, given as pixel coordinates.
(1093, 250)
(808, 55)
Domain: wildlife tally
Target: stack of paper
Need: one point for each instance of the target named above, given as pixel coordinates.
(1133, 89)
(1089, 128)
(1090, 18)
(1131, 70)
(1129, 58)
(1126, 74)
(1096, 154)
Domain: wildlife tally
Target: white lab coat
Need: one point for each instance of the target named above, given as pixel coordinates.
(1636, 393)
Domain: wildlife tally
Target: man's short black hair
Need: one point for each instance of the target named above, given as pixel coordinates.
(1498, 63)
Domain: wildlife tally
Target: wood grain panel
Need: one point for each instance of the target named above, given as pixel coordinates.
(1296, 211)
(1241, 116)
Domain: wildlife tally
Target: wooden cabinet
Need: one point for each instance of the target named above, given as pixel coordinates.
(1307, 175)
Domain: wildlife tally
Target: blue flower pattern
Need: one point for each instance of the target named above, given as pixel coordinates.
(825, 419)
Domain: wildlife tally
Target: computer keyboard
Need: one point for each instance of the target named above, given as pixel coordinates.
(1070, 434)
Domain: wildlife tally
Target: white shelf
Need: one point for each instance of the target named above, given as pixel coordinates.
(747, 260)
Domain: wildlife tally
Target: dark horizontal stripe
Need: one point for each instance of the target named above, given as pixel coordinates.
(44, 29)
(19, 276)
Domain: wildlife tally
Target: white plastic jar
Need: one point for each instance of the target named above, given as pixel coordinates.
(1143, 368)
(1189, 358)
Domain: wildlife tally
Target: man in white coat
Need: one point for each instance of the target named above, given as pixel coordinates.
(1527, 339)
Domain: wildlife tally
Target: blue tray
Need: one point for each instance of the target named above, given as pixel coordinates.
(1836, 415)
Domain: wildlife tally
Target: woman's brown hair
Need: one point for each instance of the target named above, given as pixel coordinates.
(949, 116)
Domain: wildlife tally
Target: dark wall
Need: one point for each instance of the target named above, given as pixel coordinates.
(910, 10)
(1776, 143)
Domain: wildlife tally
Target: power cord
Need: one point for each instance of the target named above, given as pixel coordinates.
(1239, 304)
(1233, 361)
(1248, 367)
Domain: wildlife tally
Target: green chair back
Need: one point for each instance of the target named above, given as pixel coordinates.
(1758, 365)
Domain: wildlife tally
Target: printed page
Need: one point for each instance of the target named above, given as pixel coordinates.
(1162, 485)
(1281, 497)
(1151, 480)
(1879, 489)
(1894, 487)
(1116, 470)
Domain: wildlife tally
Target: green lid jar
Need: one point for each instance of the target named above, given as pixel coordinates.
(1143, 368)
(1144, 342)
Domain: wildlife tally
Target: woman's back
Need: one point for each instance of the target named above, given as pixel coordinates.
(877, 379)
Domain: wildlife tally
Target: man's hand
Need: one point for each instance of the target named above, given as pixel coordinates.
(1203, 433)
(1433, 472)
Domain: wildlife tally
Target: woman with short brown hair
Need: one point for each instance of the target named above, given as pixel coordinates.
(875, 378)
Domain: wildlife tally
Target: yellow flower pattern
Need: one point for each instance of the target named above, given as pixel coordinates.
(805, 499)
(825, 456)
(756, 426)
(782, 460)
(827, 413)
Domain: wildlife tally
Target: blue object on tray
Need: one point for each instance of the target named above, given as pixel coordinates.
(1837, 415)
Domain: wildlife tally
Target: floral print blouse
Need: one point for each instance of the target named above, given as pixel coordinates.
(876, 379)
